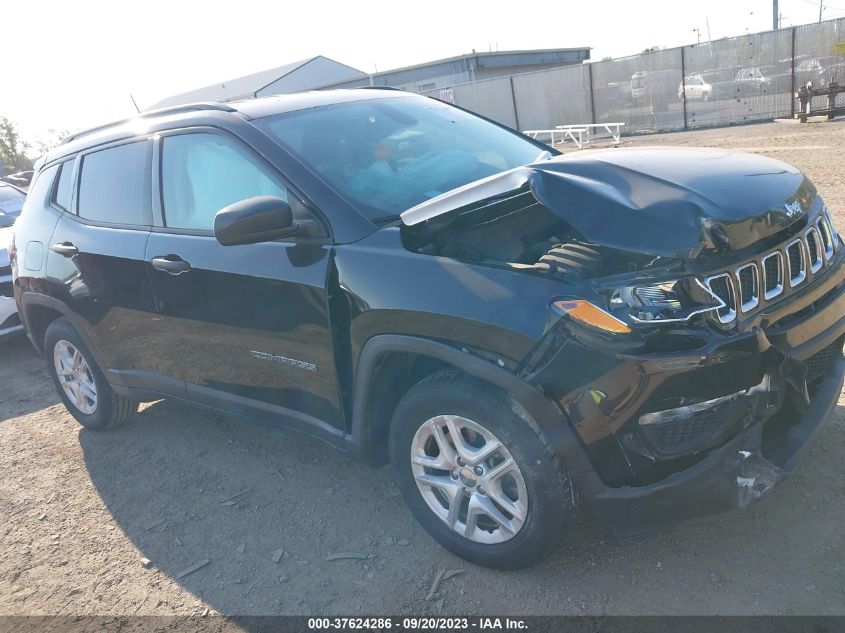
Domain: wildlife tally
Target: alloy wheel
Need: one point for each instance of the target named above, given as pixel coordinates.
(469, 479)
(75, 377)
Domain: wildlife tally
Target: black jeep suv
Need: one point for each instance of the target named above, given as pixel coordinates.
(658, 332)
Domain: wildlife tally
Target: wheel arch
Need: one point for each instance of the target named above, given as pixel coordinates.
(375, 399)
(37, 311)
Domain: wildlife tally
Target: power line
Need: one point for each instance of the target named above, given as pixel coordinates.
(821, 5)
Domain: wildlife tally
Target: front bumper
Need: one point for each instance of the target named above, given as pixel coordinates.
(730, 477)
(637, 483)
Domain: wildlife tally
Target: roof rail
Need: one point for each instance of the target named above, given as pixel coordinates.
(381, 88)
(188, 107)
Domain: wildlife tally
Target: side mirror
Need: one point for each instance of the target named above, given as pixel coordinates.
(254, 220)
(6, 220)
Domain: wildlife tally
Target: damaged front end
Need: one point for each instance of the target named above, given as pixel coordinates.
(694, 337)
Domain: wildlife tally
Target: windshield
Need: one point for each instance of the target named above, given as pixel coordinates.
(388, 155)
(7, 194)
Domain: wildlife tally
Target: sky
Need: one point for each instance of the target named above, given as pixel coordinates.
(69, 65)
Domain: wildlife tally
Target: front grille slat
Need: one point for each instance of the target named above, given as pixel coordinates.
(797, 264)
(826, 233)
(773, 275)
(749, 287)
(722, 287)
(814, 250)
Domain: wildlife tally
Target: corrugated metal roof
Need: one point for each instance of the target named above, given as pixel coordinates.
(240, 87)
(485, 55)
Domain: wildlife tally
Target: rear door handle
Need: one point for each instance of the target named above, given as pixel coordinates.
(65, 248)
(171, 264)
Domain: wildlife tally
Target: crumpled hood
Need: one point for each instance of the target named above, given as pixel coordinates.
(660, 201)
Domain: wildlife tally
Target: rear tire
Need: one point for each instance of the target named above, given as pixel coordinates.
(511, 521)
(81, 385)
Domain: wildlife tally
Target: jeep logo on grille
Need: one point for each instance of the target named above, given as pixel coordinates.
(792, 209)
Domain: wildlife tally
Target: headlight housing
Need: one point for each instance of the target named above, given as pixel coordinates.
(671, 301)
(619, 309)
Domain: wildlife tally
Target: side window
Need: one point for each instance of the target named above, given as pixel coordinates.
(40, 188)
(64, 189)
(115, 185)
(201, 173)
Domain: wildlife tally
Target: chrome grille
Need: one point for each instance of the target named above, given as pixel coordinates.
(797, 265)
(814, 249)
(773, 275)
(767, 275)
(749, 287)
(722, 286)
(826, 233)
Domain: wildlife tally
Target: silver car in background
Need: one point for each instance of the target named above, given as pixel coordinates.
(11, 203)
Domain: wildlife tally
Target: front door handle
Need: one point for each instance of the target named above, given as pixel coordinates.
(65, 248)
(171, 264)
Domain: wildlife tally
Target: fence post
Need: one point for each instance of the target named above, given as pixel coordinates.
(792, 79)
(513, 101)
(592, 94)
(684, 84)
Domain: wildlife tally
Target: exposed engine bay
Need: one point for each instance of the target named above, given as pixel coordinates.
(520, 232)
(658, 234)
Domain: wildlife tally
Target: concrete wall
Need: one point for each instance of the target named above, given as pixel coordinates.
(553, 97)
(492, 98)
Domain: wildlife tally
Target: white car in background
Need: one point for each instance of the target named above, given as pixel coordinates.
(695, 87)
(11, 202)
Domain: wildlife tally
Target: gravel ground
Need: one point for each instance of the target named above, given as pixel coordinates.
(240, 519)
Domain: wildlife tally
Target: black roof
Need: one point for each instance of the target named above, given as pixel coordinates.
(206, 112)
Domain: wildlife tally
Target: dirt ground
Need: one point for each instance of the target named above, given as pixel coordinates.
(261, 509)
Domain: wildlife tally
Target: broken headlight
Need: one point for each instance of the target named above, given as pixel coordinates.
(663, 302)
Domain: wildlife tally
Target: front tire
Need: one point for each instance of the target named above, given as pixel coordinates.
(81, 385)
(477, 473)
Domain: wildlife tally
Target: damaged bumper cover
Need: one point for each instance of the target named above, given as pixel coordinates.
(755, 400)
(730, 477)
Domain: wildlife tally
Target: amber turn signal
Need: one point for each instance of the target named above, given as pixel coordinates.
(591, 315)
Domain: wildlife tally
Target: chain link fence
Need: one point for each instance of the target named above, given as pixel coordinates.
(730, 81)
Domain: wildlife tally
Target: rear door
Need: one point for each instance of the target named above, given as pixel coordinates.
(95, 260)
(247, 327)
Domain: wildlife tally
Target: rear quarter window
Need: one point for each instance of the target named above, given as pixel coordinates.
(64, 190)
(39, 190)
(114, 187)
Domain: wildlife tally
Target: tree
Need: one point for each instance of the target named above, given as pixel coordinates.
(12, 148)
(53, 138)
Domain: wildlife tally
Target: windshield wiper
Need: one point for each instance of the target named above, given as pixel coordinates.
(387, 219)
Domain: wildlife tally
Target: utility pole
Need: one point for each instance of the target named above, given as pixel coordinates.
(821, 7)
(775, 14)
